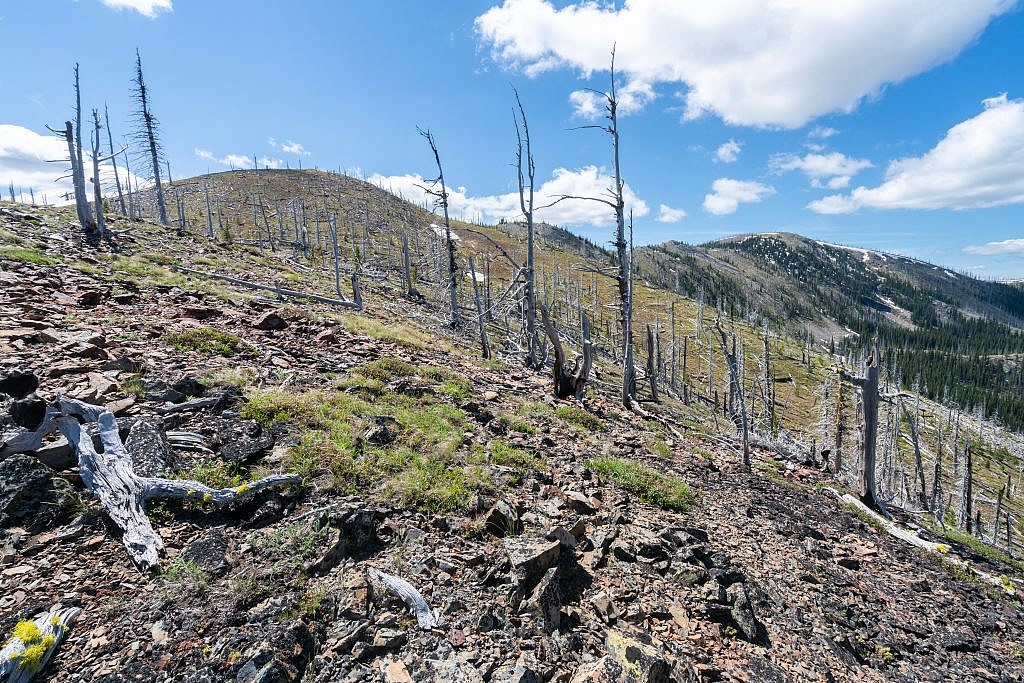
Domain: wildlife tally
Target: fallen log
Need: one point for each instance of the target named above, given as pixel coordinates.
(194, 404)
(410, 596)
(281, 291)
(33, 643)
(123, 494)
(940, 549)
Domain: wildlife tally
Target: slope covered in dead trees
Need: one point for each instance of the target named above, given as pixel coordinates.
(453, 520)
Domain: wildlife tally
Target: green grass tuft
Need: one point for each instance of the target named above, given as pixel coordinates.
(580, 418)
(206, 341)
(26, 255)
(645, 483)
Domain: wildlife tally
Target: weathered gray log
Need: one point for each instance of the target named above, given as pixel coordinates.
(194, 404)
(30, 648)
(277, 290)
(912, 538)
(123, 494)
(410, 596)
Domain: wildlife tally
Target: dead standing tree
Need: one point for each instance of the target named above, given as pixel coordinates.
(147, 136)
(867, 386)
(736, 387)
(113, 161)
(534, 354)
(439, 191)
(617, 203)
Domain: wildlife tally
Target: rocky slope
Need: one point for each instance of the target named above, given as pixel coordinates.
(541, 548)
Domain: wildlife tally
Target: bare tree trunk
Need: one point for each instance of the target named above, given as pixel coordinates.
(995, 519)
(101, 224)
(736, 385)
(652, 368)
(569, 382)
(485, 349)
(113, 160)
(78, 180)
(920, 489)
(441, 197)
(967, 491)
(526, 185)
(868, 385)
(149, 131)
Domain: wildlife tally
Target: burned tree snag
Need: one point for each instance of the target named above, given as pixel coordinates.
(569, 382)
(534, 357)
(967, 492)
(439, 191)
(867, 385)
(113, 160)
(735, 387)
(147, 134)
(485, 348)
(652, 365)
(101, 224)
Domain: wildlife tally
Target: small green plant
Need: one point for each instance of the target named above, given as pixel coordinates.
(580, 418)
(309, 603)
(660, 448)
(159, 513)
(456, 387)
(206, 341)
(645, 483)
(216, 474)
(133, 385)
(184, 574)
(511, 423)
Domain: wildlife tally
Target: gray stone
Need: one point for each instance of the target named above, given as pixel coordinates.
(151, 452)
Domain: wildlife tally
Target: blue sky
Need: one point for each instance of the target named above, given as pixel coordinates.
(890, 125)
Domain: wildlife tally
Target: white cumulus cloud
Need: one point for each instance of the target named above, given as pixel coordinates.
(1011, 246)
(291, 147)
(238, 160)
(728, 152)
(33, 163)
(589, 181)
(147, 8)
(832, 170)
(632, 97)
(821, 132)
(666, 214)
(978, 164)
(727, 194)
(767, 63)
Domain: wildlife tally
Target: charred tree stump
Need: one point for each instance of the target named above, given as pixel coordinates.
(569, 382)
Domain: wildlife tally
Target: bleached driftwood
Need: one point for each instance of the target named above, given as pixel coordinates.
(410, 596)
(913, 539)
(30, 648)
(123, 494)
